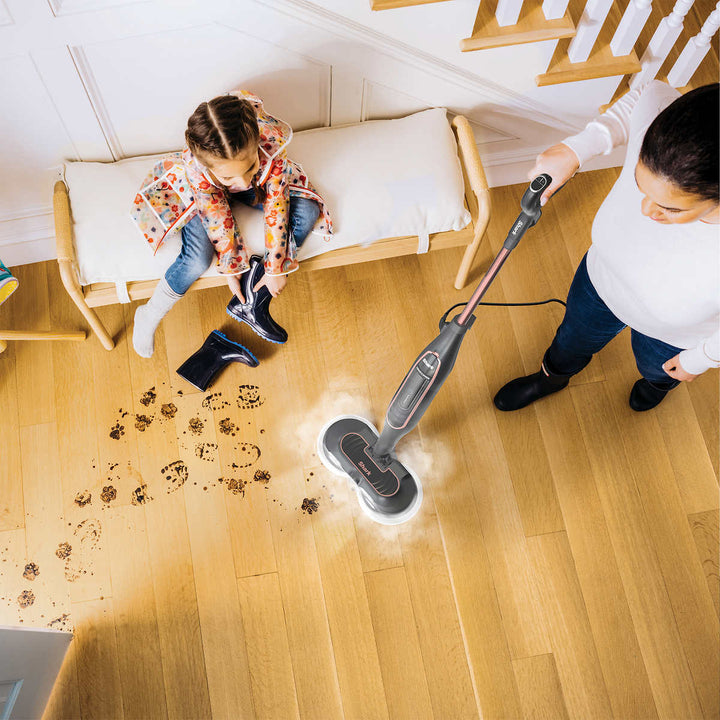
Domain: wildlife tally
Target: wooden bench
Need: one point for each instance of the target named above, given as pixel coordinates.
(477, 201)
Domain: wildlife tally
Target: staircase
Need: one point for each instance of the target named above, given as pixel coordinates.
(634, 40)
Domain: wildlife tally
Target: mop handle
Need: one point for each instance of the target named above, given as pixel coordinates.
(529, 215)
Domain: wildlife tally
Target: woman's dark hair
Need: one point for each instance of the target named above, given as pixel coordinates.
(681, 144)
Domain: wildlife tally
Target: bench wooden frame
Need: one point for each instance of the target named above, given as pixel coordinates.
(477, 198)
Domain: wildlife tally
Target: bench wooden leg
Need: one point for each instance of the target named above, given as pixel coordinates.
(75, 293)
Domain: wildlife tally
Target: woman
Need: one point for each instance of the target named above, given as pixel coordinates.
(654, 262)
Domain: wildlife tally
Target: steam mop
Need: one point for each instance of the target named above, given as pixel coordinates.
(350, 446)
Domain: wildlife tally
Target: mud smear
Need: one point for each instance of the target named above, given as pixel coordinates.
(31, 571)
(87, 534)
(215, 401)
(83, 498)
(108, 494)
(227, 427)
(64, 550)
(249, 455)
(140, 495)
(26, 598)
(148, 397)
(143, 422)
(235, 485)
(206, 451)
(60, 623)
(196, 426)
(168, 410)
(262, 476)
(176, 473)
(310, 505)
(249, 397)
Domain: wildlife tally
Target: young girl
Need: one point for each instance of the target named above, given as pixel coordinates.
(654, 262)
(235, 152)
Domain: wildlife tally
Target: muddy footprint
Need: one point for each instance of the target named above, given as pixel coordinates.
(249, 397)
(176, 473)
(86, 536)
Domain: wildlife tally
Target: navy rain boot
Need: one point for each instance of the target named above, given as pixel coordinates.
(523, 391)
(255, 311)
(646, 395)
(216, 352)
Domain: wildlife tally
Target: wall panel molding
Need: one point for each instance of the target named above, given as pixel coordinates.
(5, 16)
(73, 7)
(488, 91)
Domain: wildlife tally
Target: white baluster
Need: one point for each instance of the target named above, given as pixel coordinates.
(589, 28)
(694, 52)
(630, 27)
(508, 12)
(554, 9)
(665, 36)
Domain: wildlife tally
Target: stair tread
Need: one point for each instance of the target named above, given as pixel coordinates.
(531, 27)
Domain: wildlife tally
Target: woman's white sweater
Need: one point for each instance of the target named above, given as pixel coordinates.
(662, 280)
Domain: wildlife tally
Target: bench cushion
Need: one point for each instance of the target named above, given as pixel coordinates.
(380, 179)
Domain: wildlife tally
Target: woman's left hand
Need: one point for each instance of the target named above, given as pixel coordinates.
(274, 283)
(675, 370)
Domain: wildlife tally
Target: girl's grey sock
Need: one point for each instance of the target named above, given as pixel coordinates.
(149, 315)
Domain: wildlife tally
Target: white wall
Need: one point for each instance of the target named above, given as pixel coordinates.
(105, 79)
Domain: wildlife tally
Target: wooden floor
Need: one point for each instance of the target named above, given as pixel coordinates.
(564, 563)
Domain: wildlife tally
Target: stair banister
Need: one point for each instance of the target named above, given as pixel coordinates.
(508, 12)
(694, 52)
(661, 43)
(588, 29)
(554, 9)
(633, 21)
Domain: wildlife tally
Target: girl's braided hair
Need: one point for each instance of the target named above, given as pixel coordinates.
(222, 129)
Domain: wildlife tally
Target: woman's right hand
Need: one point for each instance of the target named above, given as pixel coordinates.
(560, 163)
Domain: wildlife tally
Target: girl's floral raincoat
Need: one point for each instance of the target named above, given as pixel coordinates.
(179, 187)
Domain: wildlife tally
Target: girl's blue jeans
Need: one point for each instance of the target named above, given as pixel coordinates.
(198, 253)
(589, 325)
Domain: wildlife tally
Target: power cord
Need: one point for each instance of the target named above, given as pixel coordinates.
(495, 304)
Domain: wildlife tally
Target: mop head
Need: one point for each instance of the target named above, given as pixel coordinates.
(388, 491)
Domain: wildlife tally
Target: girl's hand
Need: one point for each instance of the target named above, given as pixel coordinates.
(675, 370)
(274, 283)
(233, 282)
(560, 163)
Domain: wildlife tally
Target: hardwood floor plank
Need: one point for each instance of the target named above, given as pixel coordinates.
(653, 619)
(273, 683)
(575, 659)
(12, 511)
(691, 462)
(295, 377)
(44, 524)
(221, 621)
(136, 615)
(681, 571)
(704, 392)
(704, 528)
(351, 628)
(589, 536)
(398, 645)
(446, 474)
(495, 497)
(33, 360)
(540, 690)
(97, 661)
(124, 523)
(184, 672)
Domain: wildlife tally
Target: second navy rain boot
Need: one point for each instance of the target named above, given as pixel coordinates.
(522, 391)
(646, 395)
(255, 311)
(216, 352)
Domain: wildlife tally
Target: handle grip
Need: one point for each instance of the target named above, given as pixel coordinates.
(531, 210)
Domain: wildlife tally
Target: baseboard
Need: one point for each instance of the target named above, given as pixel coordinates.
(27, 239)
